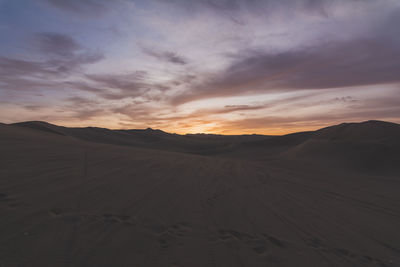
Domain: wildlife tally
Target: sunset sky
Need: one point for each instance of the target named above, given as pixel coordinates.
(213, 66)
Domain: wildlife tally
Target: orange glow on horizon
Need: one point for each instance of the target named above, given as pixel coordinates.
(201, 129)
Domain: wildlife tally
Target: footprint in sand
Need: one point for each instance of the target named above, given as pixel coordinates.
(259, 243)
(105, 218)
(275, 241)
(174, 235)
(180, 229)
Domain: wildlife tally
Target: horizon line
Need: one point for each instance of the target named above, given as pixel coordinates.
(197, 133)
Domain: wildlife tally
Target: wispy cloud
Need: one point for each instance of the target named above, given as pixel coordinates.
(58, 56)
(373, 58)
(85, 7)
(57, 44)
(165, 56)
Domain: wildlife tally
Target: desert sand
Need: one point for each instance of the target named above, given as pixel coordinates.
(99, 197)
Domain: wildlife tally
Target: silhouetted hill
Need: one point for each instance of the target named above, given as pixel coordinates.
(370, 143)
(145, 138)
(368, 130)
(368, 146)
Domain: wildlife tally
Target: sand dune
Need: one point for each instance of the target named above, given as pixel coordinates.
(99, 197)
(371, 146)
(148, 138)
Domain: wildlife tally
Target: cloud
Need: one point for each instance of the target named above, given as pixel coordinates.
(77, 101)
(58, 56)
(237, 10)
(87, 113)
(131, 81)
(333, 65)
(12, 67)
(59, 53)
(84, 7)
(64, 51)
(57, 44)
(136, 85)
(232, 108)
(373, 58)
(166, 116)
(166, 56)
(344, 99)
(119, 86)
(20, 74)
(136, 112)
(33, 107)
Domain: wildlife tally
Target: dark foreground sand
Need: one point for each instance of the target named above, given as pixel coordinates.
(326, 198)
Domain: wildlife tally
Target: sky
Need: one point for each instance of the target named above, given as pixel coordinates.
(211, 66)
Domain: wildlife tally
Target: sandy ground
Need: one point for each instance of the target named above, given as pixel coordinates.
(68, 202)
